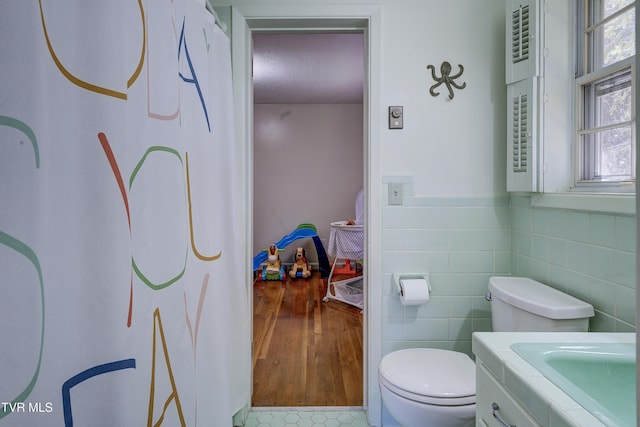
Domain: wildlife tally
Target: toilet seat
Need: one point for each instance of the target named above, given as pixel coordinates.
(429, 375)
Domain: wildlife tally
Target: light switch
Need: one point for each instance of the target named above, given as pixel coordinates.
(395, 193)
(395, 117)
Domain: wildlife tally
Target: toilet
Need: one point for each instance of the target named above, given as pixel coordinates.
(433, 387)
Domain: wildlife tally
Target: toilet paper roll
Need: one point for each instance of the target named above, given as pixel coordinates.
(414, 291)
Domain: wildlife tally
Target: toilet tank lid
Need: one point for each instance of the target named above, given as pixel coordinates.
(537, 298)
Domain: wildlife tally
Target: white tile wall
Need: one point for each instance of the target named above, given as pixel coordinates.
(589, 255)
(461, 242)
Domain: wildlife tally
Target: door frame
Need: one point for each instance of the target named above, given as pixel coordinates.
(248, 18)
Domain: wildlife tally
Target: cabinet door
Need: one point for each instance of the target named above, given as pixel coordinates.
(524, 144)
(523, 40)
(489, 391)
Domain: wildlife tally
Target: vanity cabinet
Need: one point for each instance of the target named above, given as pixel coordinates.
(492, 398)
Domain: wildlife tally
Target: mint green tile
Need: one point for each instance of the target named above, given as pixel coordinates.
(460, 329)
(415, 328)
(625, 269)
(540, 247)
(557, 418)
(437, 307)
(502, 239)
(523, 266)
(392, 328)
(481, 325)
(470, 217)
(529, 396)
(558, 278)
(578, 226)
(541, 221)
(480, 306)
(578, 257)
(433, 240)
(460, 306)
(458, 218)
(521, 219)
(579, 285)
(471, 240)
(486, 215)
(480, 284)
(520, 201)
(502, 217)
(391, 307)
(625, 304)
(602, 230)
(602, 322)
(458, 285)
(602, 262)
(558, 223)
(521, 243)
(601, 293)
(471, 262)
(558, 252)
(406, 261)
(540, 271)
(625, 327)
(626, 233)
(502, 263)
(438, 329)
(396, 239)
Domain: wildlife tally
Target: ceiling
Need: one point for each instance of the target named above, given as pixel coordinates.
(308, 68)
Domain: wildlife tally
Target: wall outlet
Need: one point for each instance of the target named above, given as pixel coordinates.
(395, 117)
(395, 193)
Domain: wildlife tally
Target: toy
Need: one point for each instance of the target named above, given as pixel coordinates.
(273, 259)
(273, 270)
(300, 267)
(302, 231)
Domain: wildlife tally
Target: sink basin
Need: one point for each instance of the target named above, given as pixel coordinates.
(600, 377)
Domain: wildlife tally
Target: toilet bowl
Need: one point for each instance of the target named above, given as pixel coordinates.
(433, 387)
(429, 387)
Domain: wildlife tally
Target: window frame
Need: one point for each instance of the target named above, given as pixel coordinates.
(584, 169)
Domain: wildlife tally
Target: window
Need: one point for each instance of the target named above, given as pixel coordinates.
(605, 77)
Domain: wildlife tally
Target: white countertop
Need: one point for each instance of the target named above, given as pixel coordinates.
(549, 405)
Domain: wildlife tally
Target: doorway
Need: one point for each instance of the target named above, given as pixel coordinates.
(308, 167)
(247, 18)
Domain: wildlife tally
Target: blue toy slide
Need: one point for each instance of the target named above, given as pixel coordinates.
(303, 231)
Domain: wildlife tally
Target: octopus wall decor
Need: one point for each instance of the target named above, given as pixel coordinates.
(446, 78)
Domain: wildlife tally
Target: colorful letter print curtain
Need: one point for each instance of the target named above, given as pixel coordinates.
(122, 300)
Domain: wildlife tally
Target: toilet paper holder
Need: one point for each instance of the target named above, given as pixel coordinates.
(396, 277)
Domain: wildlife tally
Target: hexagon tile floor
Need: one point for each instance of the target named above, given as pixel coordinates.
(313, 417)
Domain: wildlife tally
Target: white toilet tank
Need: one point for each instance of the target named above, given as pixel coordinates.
(520, 304)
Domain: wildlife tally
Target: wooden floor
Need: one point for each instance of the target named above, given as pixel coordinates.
(306, 352)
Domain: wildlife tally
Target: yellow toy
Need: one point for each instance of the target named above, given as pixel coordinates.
(300, 267)
(273, 270)
(273, 260)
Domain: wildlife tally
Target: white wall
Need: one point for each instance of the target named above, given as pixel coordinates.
(307, 169)
(451, 147)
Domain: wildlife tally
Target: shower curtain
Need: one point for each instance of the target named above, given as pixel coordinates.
(122, 300)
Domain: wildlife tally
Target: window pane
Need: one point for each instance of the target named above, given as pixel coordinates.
(611, 6)
(613, 147)
(608, 101)
(613, 41)
(606, 148)
(613, 100)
